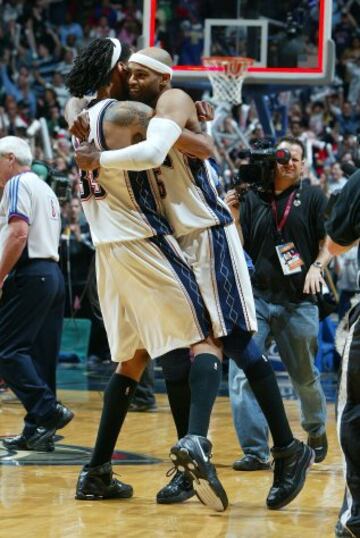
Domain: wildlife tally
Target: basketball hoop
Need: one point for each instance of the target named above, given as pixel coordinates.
(227, 74)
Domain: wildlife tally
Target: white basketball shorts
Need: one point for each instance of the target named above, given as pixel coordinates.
(217, 258)
(149, 298)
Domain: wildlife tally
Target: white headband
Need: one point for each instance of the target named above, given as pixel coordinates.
(116, 52)
(151, 63)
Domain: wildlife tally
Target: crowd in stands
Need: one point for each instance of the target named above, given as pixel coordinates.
(40, 39)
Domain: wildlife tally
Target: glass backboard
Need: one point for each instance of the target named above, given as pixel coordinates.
(289, 40)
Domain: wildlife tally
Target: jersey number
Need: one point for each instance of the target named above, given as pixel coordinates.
(89, 186)
(159, 181)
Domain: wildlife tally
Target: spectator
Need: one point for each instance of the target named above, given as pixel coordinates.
(348, 120)
(353, 69)
(337, 180)
(70, 28)
(11, 119)
(342, 32)
(21, 91)
(66, 62)
(129, 31)
(102, 29)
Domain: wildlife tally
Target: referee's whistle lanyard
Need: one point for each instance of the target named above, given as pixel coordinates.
(280, 225)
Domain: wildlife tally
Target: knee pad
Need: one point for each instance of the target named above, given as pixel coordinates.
(175, 365)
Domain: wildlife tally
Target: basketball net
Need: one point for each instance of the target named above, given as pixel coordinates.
(227, 74)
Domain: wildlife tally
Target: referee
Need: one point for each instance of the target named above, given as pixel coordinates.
(32, 296)
(343, 228)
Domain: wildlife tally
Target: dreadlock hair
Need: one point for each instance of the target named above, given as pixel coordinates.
(91, 69)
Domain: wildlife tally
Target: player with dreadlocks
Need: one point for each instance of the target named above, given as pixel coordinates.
(91, 72)
(141, 274)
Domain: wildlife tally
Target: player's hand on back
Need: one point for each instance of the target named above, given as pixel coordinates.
(87, 156)
(81, 126)
(232, 199)
(205, 110)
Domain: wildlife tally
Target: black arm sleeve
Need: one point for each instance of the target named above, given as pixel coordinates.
(343, 225)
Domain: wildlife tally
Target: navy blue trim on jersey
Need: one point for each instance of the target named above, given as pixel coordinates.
(145, 199)
(211, 197)
(187, 279)
(100, 134)
(227, 286)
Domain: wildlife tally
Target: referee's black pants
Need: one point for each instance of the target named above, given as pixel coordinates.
(349, 426)
(31, 317)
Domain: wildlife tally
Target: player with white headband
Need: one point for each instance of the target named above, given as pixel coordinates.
(141, 275)
(209, 240)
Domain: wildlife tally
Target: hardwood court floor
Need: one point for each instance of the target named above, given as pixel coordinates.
(38, 501)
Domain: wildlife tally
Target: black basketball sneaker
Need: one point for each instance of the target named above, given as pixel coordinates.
(97, 483)
(291, 464)
(191, 455)
(178, 490)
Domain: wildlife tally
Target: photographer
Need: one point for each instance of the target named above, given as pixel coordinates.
(343, 228)
(32, 301)
(282, 226)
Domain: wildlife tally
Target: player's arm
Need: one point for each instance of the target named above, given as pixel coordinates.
(195, 144)
(233, 202)
(335, 249)
(343, 225)
(173, 111)
(77, 117)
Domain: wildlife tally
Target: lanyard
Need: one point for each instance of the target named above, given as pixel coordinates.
(280, 225)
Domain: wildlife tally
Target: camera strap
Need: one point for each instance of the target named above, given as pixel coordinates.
(280, 225)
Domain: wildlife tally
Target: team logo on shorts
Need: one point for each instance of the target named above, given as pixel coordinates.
(67, 455)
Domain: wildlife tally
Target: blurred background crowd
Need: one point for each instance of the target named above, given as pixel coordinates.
(38, 42)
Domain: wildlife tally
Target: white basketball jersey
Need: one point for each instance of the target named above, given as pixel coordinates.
(119, 205)
(188, 194)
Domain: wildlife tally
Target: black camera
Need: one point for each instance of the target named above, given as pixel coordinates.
(260, 172)
(56, 180)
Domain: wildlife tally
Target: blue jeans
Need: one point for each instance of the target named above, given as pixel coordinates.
(294, 327)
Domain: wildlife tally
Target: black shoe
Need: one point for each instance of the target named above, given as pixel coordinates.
(178, 490)
(97, 483)
(60, 419)
(191, 455)
(319, 445)
(250, 463)
(341, 531)
(291, 465)
(20, 442)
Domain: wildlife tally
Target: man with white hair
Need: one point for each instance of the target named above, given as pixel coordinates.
(32, 296)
